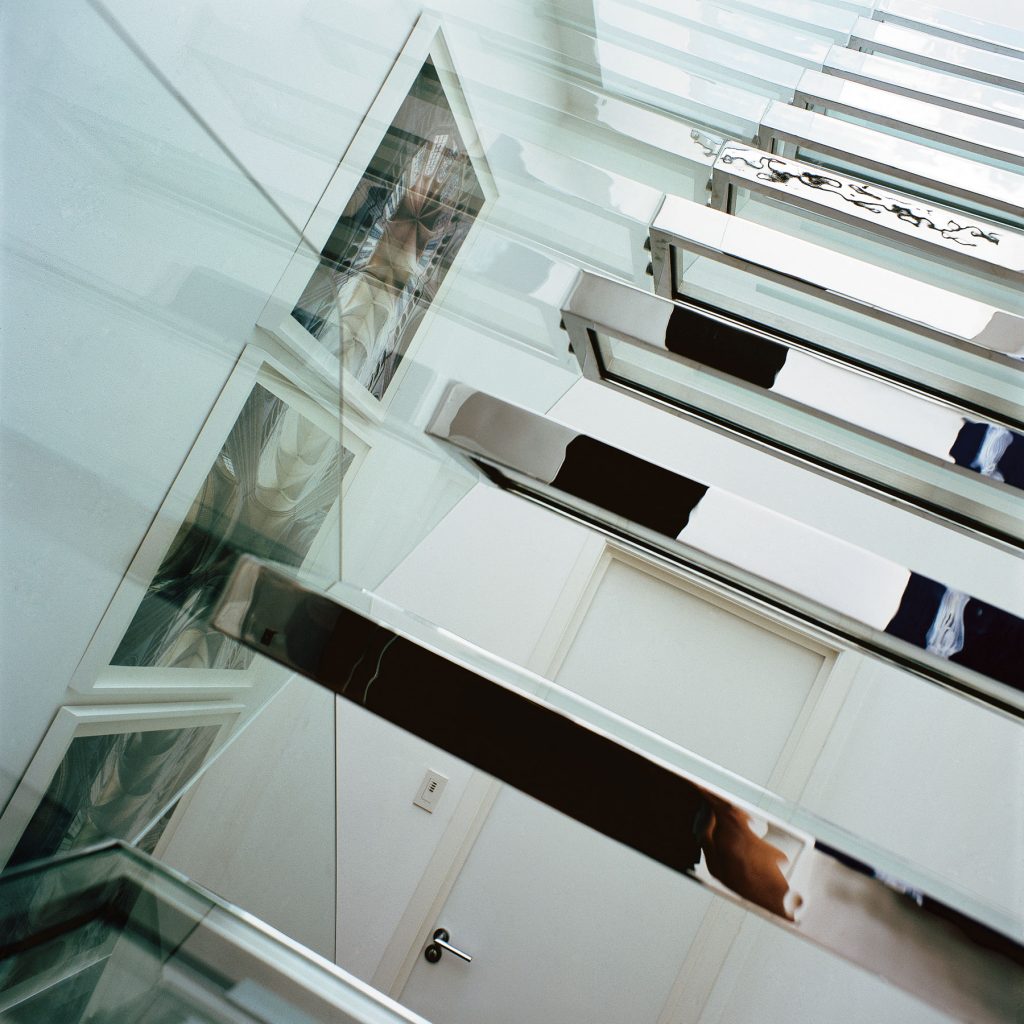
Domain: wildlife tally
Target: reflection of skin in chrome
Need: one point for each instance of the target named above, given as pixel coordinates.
(863, 197)
(946, 637)
(744, 862)
(377, 672)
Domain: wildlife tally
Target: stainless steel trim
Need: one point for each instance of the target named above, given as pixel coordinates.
(912, 117)
(858, 596)
(933, 230)
(932, 51)
(943, 89)
(440, 939)
(820, 892)
(952, 25)
(958, 177)
(880, 422)
(684, 226)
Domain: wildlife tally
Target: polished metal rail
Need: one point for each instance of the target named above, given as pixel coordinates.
(946, 90)
(878, 433)
(629, 786)
(933, 51)
(859, 597)
(935, 231)
(989, 139)
(952, 25)
(949, 175)
(682, 227)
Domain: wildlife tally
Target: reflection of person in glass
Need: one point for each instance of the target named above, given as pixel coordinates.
(400, 231)
(419, 214)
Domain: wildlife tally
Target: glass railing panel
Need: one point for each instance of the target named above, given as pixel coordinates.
(800, 41)
(151, 434)
(575, 144)
(947, 131)
(361, 657)
(108, 936)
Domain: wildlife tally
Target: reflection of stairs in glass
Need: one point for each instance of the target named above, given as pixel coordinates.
(107, 935)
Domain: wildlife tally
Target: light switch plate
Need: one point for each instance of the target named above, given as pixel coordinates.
(429, 794)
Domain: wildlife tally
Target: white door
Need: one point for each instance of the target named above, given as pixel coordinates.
(563, 924)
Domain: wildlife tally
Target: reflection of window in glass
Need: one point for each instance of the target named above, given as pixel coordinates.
(112, 786)
(395, 240)
(268, 493)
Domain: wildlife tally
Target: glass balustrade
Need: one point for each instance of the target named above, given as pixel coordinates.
(246, 257)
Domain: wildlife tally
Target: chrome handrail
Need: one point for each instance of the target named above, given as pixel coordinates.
(814, 890)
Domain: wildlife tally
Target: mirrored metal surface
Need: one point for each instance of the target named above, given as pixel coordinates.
(960, 178)
(944, 89)
(912, 117)
(953, 25)
(685, 227)
(861, 597)
(854, 908)
(771, 389)
(948, 234)
(934, 51)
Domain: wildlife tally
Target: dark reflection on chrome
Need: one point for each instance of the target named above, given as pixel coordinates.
(614, 488)
(861, 196)
(837, 900)
(989, 449)
(992, 451)
(960, 628)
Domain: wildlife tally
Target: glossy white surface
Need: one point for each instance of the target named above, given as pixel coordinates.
(923, 48)
(897, 76)
(944, 172)
(882, 292)
(912, 116)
